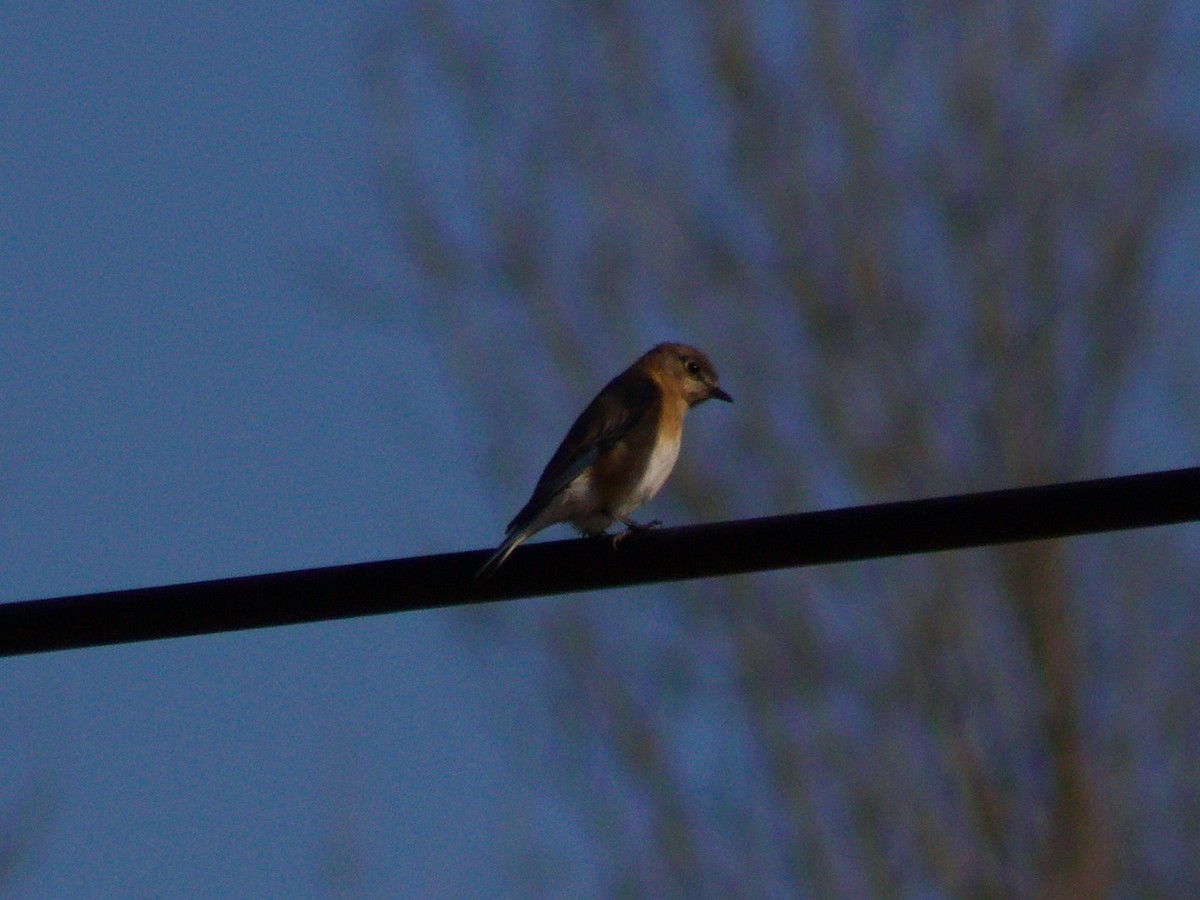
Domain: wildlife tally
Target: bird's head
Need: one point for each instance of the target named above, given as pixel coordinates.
(686, 371)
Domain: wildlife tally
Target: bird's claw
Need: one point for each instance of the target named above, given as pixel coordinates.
(632, 527)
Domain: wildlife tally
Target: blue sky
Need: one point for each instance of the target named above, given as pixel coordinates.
(180, 400)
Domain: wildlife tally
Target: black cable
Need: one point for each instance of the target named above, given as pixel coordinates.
(559, 567)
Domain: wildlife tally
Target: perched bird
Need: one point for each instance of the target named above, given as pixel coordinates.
(620, 450)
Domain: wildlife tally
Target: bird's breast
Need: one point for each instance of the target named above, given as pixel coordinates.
(632, 470)
(658, 468)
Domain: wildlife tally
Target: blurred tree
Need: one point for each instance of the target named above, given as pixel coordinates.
(917, 241)
(25, 810)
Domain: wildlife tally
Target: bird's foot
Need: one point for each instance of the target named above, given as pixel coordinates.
(632, 527)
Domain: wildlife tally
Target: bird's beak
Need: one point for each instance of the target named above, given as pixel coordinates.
(718, 394)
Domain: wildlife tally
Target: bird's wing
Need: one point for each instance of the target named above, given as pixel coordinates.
(614, 412)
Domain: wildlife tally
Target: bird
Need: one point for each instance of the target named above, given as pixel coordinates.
(619, 452)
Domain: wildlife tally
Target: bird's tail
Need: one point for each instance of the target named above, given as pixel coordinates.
(514, 539)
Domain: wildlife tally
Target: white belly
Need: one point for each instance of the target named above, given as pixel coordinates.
(658, 469)
(581, 504)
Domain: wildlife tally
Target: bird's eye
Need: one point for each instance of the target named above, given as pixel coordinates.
(692, 366)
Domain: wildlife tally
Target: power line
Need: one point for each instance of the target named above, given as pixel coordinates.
(559, 567)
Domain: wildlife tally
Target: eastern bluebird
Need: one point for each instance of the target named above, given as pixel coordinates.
(620, 450)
